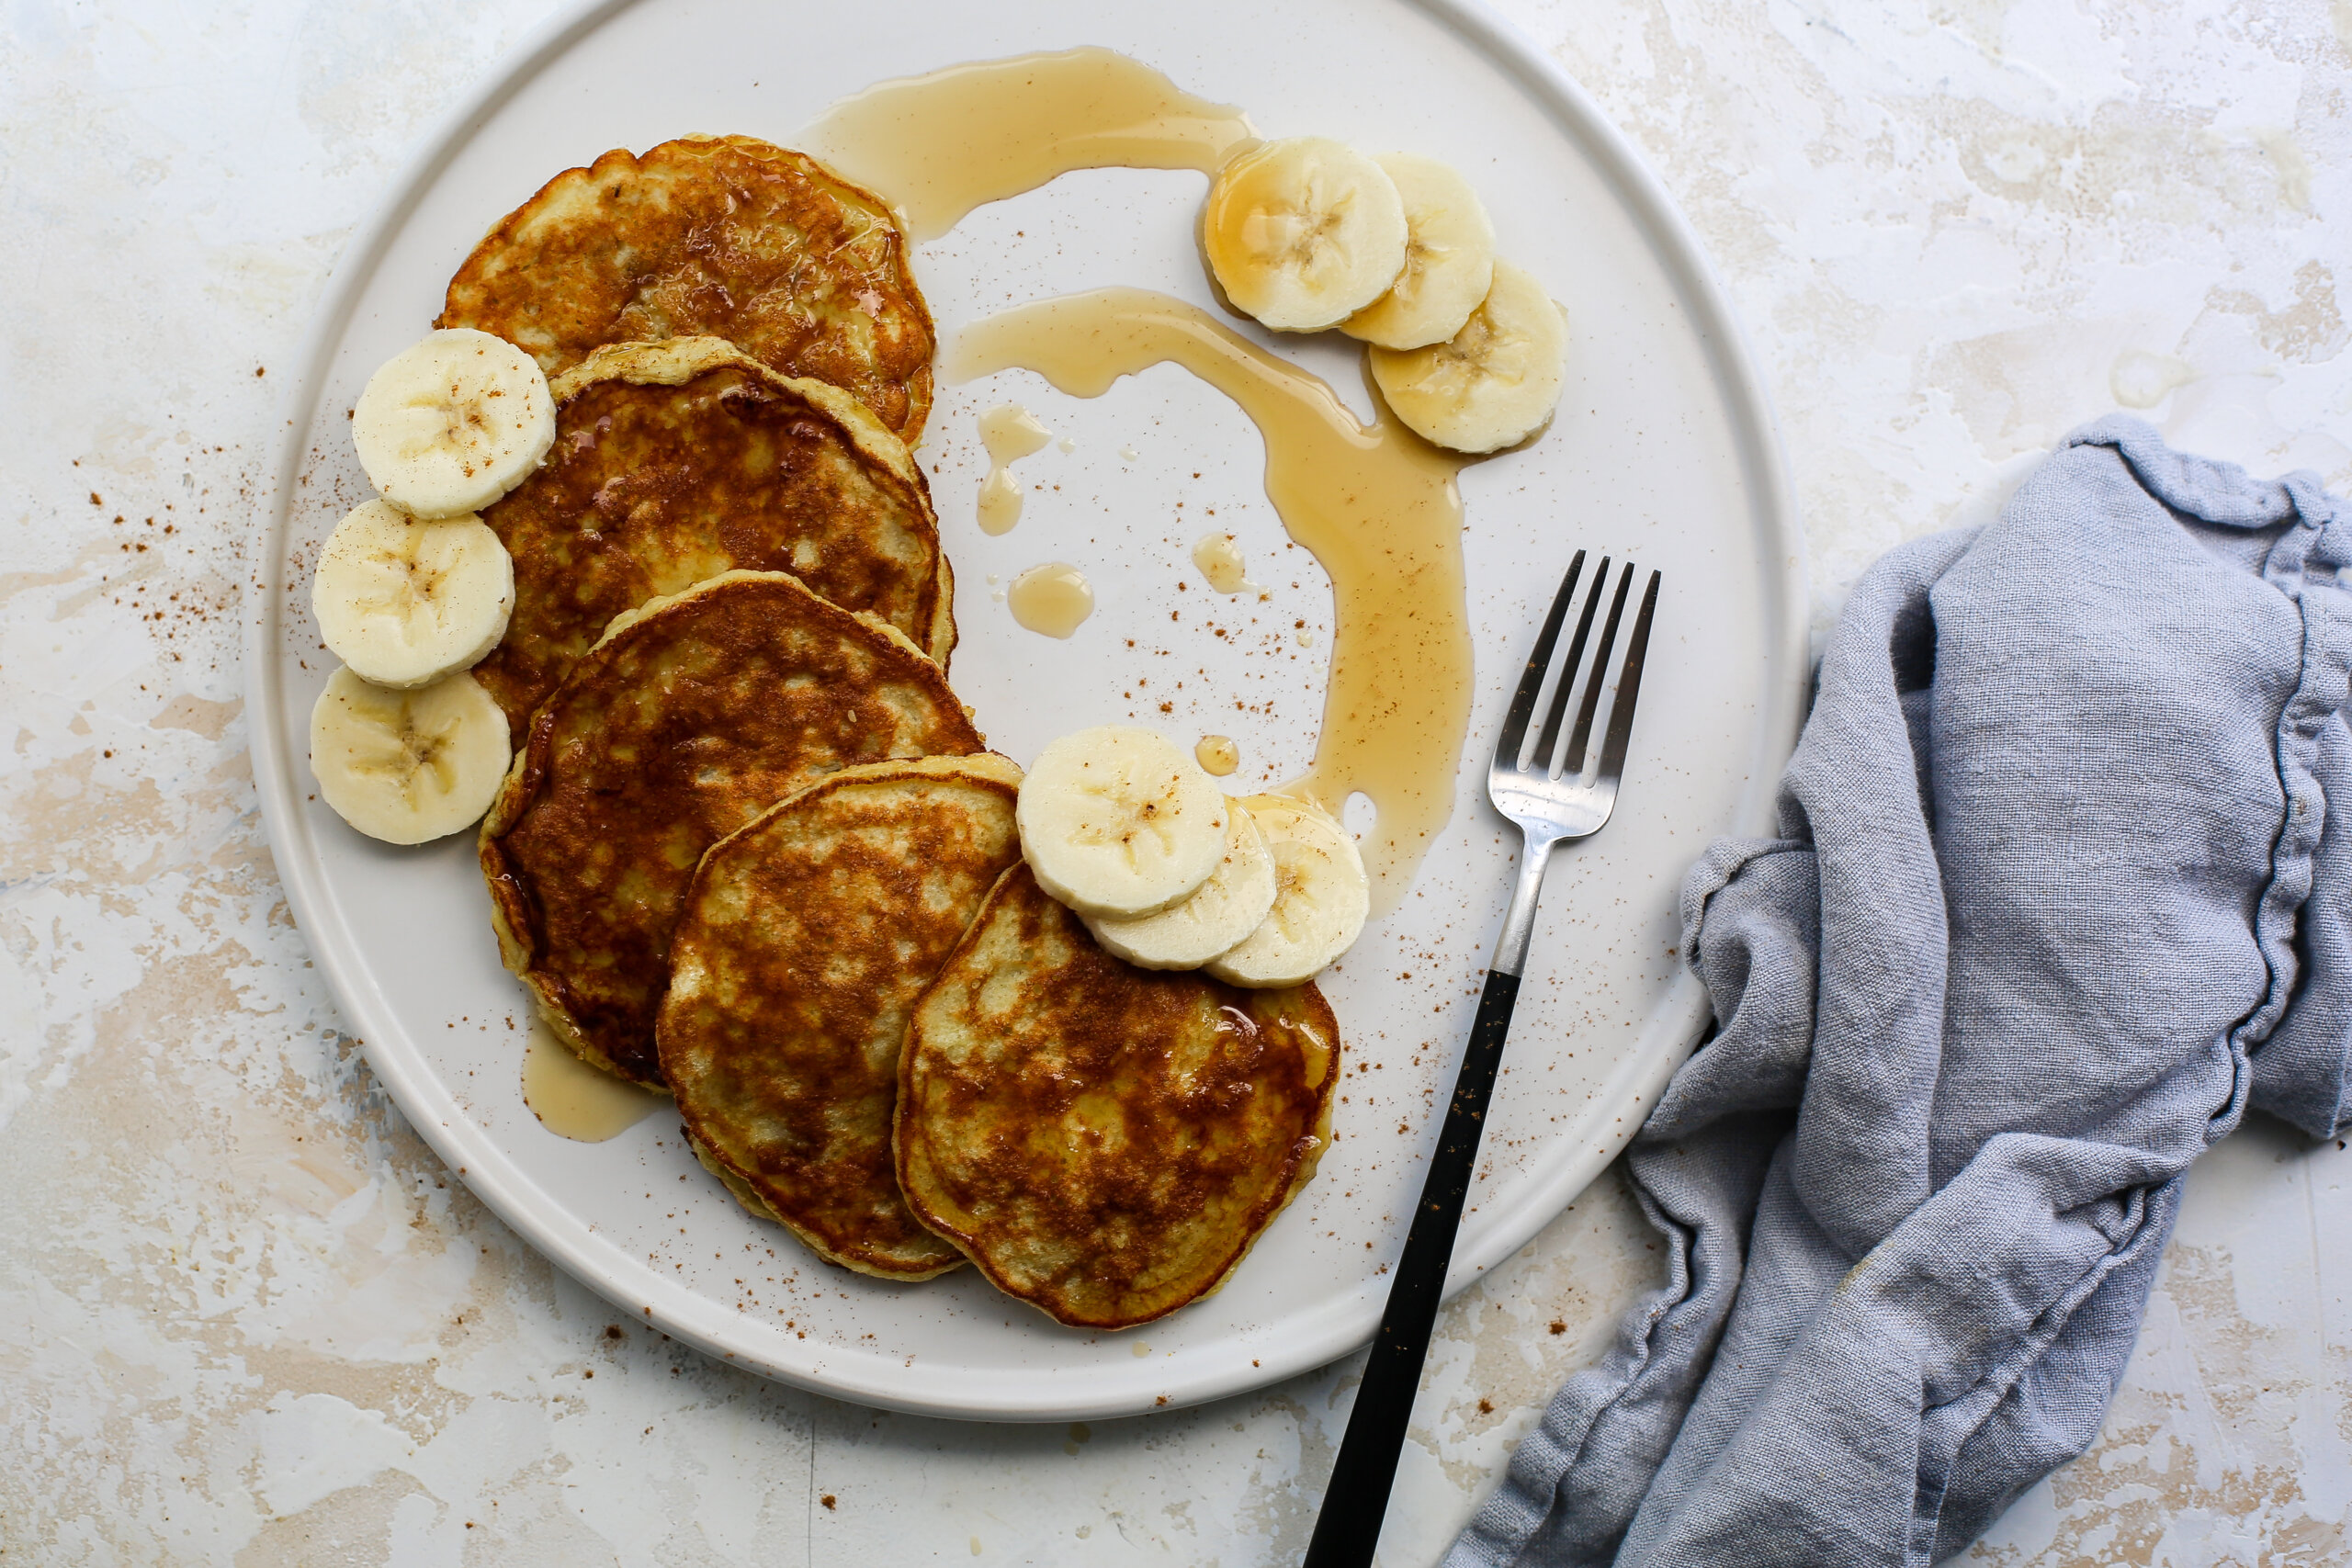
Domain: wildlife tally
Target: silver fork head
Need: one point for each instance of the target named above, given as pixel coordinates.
(1552, 789)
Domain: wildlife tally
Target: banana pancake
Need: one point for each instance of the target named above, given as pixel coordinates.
(725, 235)
(694, 714)
(804, 942)
(677, 460)
(1105, 1142)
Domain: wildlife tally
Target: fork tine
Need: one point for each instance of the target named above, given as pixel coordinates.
(1523, 701)
(1629, 689)
(1572, 761)
(1550, 732)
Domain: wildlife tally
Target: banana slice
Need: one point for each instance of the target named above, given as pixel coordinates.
(450, 424)
(1223, 910)
(1116, 821)
(1302, 233)
(405, 601)
(1321, 897)
(1449, 258)
(407, 766)
(1496, 382)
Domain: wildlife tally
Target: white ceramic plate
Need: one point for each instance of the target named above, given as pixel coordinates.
(1662, 448)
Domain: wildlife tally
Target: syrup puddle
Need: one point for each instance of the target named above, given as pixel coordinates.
(1010, 433)
(575, 1101)
(1054, 599)
(943, 144)
(1377, 507)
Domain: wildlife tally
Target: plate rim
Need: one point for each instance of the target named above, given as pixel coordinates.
(515, 1199)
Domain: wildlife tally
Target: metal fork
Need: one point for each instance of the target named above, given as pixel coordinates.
(1549, 792)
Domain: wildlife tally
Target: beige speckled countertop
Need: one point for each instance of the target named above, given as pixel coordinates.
(246, 1318)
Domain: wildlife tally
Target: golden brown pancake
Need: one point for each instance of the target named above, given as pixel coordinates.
(1105, 1142)
(727, 236)
(804, 942)
(692, 716)
(677, 460)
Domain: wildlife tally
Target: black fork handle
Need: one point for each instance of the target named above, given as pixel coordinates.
(1349, 1527)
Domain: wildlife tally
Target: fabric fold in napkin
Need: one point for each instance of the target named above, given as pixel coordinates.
(2062, 884)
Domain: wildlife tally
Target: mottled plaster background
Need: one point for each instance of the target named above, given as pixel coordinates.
(246, 1318)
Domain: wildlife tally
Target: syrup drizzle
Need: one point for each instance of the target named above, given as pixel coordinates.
(943, 144)
(1377, 506)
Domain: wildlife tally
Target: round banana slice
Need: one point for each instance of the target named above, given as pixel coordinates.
(1221, 911)
(406, 766)
(1497, 381)
(1118, 821)
(451, 424)
(1449, 258)
(1303, 233)
(1321, 897)
(405, 601)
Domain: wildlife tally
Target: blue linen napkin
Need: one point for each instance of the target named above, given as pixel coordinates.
(2062, 885)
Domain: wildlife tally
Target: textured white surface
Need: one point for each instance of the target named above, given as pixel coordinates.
(245, 1318)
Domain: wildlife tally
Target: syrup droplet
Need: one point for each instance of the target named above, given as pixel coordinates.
(575, 1101)
(1217, 755)
(1220, 561)
(1010, 433)
(1054, 599)
(1376, 505)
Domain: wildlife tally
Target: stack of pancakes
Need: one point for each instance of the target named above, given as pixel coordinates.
(751, 848)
